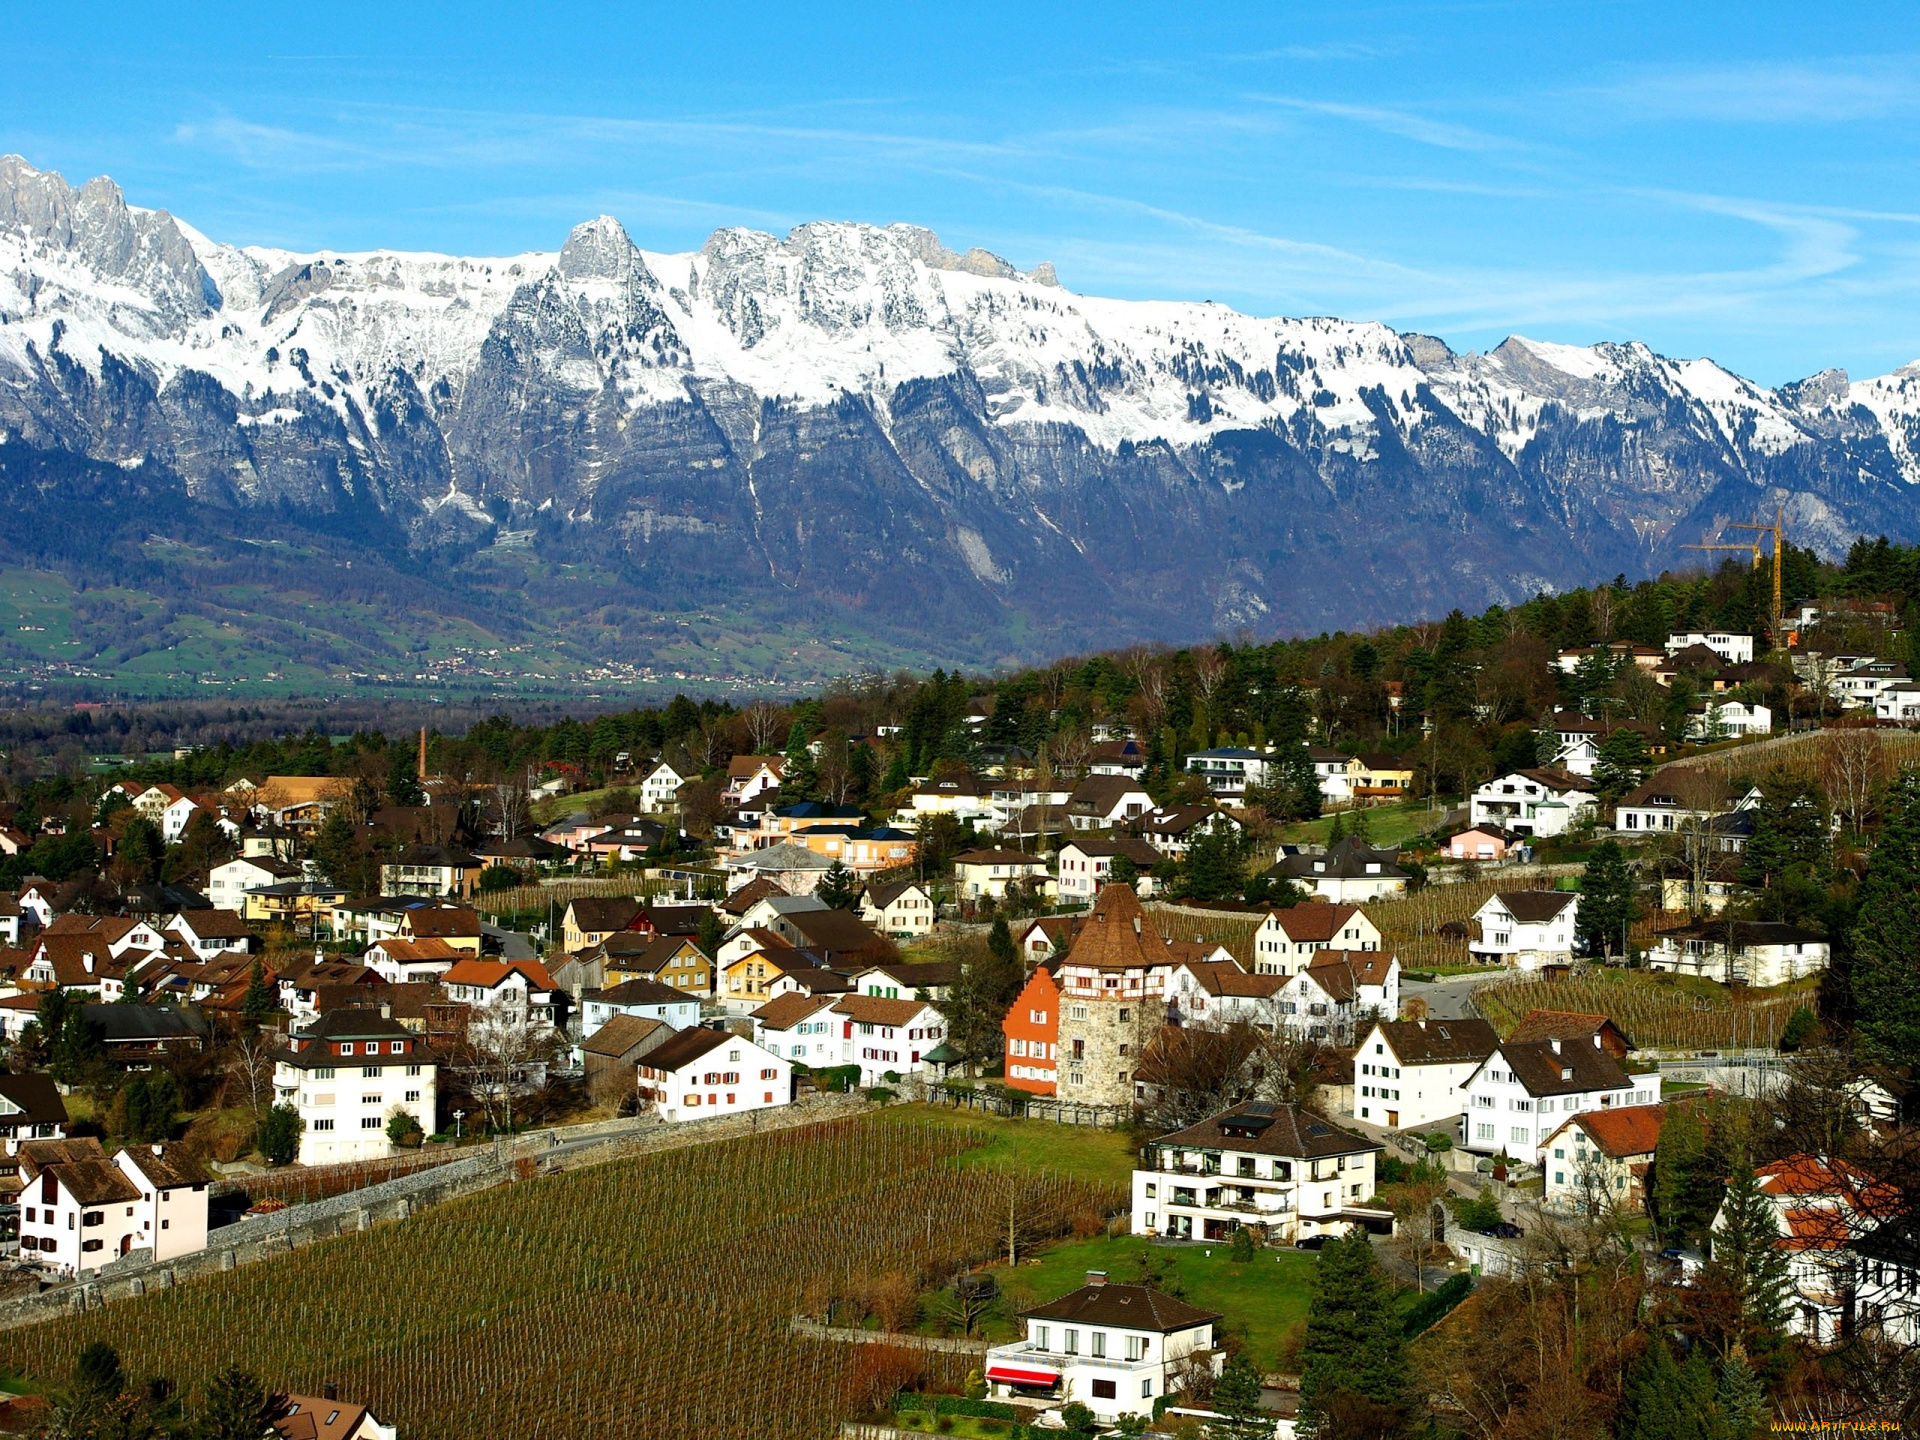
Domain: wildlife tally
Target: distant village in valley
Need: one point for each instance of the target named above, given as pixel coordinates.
(1234, 1040)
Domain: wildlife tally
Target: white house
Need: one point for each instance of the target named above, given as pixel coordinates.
(1729, 720)
(523, 987)
(1526, 1089)
(901, 908)
(1334, 771)
(887, 1037)
(986, 874)
(1409, 1074)
(1887, 1279)
(1762, 953)
(211, 932)
(1273, 1165)
(1113, 1348)
(1085, 866)
(1822, 1207)
(1679, 798)
(802, 1027)
(1287, 939)
(659, 791)
(348, 1074)
(1219, 992)
(1861, 686)
(1525, 929)
(702, 1074)
(79, 1210)
(1101, 802)
(398, 961)
(1898, 702)
(642, 998)
(1602, 1157)
(228, 883)
(1330, 996)
(1543, 801)
(1347, 872)
(1229, 771)
(1733, 648)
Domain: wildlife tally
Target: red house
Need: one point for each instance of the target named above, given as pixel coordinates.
(1032, 1031)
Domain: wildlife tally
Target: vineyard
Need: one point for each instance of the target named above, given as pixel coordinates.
(1654, 1011)
(640, 1298)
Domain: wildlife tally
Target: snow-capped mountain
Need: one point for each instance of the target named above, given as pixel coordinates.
(937, 444)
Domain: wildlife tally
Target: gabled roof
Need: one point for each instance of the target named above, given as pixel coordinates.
(620, 1035)
(213, 924)
(1271, 1129)
(1174, 821)
(353, 1023)
(600, 914)
(880, 896)
(1102, 794)
(1341, 973)
(1567, 1025)
(312, 1417)
(1826, 1177)
(406, 952)
(169, 1169)
(1224, 978)
(1348, 859)
(490, 974)
(1439, 1042)
(1313, 923)
(783, 1012)
(686, 1047)
(37, 1096)
(1536, 907)
(878, 1010)
(1123, 1307)
(1117, 934)
(838, 932)
(1115, 847)
(442, 921)
(1570, 1069)
(1000, 857)
(641, 991)
(749, 894)
(1624, 1132)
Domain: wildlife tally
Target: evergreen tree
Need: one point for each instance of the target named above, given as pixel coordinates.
(1236, 1396)
(1000, 945)
(260, 1001)
(337, 850)
(800, 780)
(1885, 971)
(79, 1050)
(1337, 831)
(1748, 1266)
(1743, 1399)
(1678, 1157)
(238, 1407)
(1664, 1400)
(1546, 739)
(403, 779)
(1622, 764)
(1787, 856)
(1607, 902)
(1355, 1341)
(838, 888)
(897, 776)
(279, 1137)
(1214, 869)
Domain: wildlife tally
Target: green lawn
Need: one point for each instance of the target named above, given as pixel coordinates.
(1386, 824)
(1076, 1151)
(1267, 1296)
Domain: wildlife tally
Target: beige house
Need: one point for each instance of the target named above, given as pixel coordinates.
(901, 908)
(986, 874)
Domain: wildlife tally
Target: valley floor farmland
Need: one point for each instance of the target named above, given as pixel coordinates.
(640, 1298)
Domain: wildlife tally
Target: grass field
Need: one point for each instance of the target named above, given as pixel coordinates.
(1076, 1152)
(1267, 1296)
(1386, 824)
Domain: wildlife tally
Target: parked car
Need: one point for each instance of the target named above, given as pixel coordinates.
(1502, 1230)
(1312, 1242)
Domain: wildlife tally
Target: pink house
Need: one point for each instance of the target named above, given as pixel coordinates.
(1482, 842)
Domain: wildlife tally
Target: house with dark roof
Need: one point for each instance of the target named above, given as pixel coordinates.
(610, 1057)
(1259, 1163)
(1086, 865)
(348, 1073)
(1337, 990)
(1526, 1089)
(800, 1026)
(1526, 929)
(1346, 872)
(1409, 1074)
(209, 932)
(705, 1074)
(1590, 1028)
(1540, 801)
(1172, 829)
(835, 935)
(1101, 802)
(1115, 1349)
(590, 919)
(80, 1209)
(641, 997)
(30, 1109)
(887, 1037)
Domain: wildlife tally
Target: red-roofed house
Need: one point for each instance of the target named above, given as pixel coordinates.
(523, 986)
(1602, 1153)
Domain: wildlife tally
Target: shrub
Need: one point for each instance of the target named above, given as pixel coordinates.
(1801, 1027)
(500, 877)
(279, 1137)
(880, 1095)
(1430, 1309)
(1243, 1244)
(1438, 1141)
(404, 1130)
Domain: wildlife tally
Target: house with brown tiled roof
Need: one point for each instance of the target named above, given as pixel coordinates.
(1574, 1025)
(1603, 1158)
(1411, 1074)
(802, 1027)
(887, 1037)
(1266, 1163)
(210, 932)
(1287, 940)
(79, 1209)
(1086, 864)
(903, 909)
(1112, 984)
(400, 961)
(327, 1417)
(1522, 1093)
(1527, 929)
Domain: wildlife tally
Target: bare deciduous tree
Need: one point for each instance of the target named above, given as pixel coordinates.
(250, 1063)
(1853, 767)
(766, 726)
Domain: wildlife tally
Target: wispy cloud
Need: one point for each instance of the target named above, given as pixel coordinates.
(1830, 91)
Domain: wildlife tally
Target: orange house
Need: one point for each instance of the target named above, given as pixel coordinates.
(1032, 1031)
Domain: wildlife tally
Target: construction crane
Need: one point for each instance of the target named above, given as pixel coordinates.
(1779, 515)
(1750, 547)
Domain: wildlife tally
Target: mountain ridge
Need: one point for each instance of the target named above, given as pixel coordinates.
(936, 448)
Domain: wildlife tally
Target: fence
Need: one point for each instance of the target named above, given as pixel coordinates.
(1018, 1105)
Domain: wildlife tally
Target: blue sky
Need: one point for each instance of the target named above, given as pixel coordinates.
(1729, 180)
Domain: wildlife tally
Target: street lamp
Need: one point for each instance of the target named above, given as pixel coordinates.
(458, 1116)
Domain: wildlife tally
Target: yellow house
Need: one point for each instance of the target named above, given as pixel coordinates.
(1377, 776)
(592, 918)
(460, 928)
(669, 959)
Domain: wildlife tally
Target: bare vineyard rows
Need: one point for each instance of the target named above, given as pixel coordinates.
(1651, 1013)
(642, 1298)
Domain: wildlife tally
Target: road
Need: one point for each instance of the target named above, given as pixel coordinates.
(1446, 997)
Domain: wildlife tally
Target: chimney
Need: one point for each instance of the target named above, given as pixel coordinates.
(156, 1149)
(1596, 1039)
(329, 1391)
(1555, 1043)
(423, 755)
(1096, 1278)
(1421, 1023)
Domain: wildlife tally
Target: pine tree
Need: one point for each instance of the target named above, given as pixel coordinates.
(1000, 944)
(1886, 939)
(403, 779)
(1665, 1400)
(838, 889)
(1236, 1395)
(800, 780)
(1337, 831)
(259, 1002)
(1677, 1158)
(1354, 1342)
(1748, 1265)
(1743, 1399)
(238, 1407)
(1546, 740)
(1622, 763)
(1607, 902)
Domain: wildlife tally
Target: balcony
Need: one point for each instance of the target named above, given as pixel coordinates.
(1022, 1358)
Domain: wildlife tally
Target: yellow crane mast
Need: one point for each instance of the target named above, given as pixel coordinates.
(1779, 515)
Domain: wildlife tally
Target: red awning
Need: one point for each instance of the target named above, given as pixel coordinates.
(1019, 1375)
